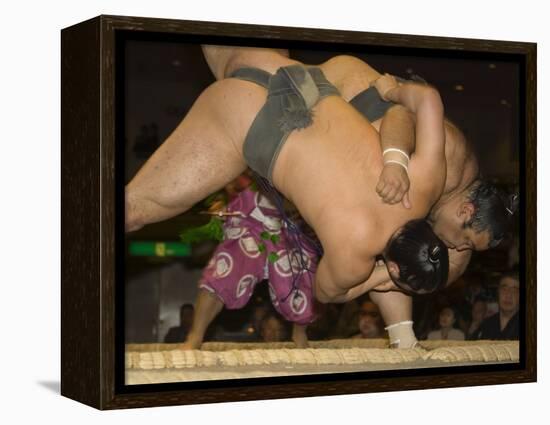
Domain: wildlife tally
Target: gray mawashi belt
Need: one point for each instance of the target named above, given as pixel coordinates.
(292, 92)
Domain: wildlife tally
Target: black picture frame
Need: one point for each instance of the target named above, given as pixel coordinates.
(92, 217)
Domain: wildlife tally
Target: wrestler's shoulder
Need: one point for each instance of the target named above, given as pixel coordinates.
(353, 233)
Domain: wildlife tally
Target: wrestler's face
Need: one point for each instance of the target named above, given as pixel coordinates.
(449, 223)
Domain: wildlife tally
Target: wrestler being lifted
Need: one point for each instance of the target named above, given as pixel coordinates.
(470, 215)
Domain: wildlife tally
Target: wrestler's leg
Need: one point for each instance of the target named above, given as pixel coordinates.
(223, 60)
(299, 335)
(201, 156)
(396, 310)
(207, 307)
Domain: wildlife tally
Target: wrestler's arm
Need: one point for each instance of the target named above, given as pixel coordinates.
(418, 127)
(396, 307)
(346, 262)
(396, 132)
(426, 105)
(378, 277)
(334, 283)
(351, 75)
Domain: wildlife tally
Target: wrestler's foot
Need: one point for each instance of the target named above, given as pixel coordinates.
(301, 344)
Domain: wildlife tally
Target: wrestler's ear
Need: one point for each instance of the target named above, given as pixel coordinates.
(393, 268)
(466, 211)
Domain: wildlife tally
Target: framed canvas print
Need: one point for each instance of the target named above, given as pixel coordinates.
(253, 212)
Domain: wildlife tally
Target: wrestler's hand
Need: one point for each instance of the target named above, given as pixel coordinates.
(384, 84)
(393, 185)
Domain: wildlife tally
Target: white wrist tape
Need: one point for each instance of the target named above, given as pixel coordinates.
(396, 150)
(394, 161)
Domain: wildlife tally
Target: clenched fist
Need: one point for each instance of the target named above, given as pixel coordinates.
(393, 185)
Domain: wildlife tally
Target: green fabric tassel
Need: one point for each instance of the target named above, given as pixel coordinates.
(213, 230)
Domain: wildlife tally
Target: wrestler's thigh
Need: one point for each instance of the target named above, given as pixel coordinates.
(202, 154)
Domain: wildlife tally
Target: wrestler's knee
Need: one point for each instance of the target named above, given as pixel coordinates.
(132, 218)
(144, 208)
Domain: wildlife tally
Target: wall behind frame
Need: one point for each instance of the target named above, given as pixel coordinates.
(31, 67)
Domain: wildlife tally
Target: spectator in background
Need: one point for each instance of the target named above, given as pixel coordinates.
(370, 321)
(179, 333)
(254, 326)
(476, 287)
(273, 329)
(479, 313)
(322, 328)
(347, 323)
(505, 323)
(427, 308)
(237, 327)
(447, 320)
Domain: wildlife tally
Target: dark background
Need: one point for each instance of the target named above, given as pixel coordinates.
(164, 79)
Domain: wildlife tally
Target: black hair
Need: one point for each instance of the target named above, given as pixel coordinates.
(493, 210)
(422, 258)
